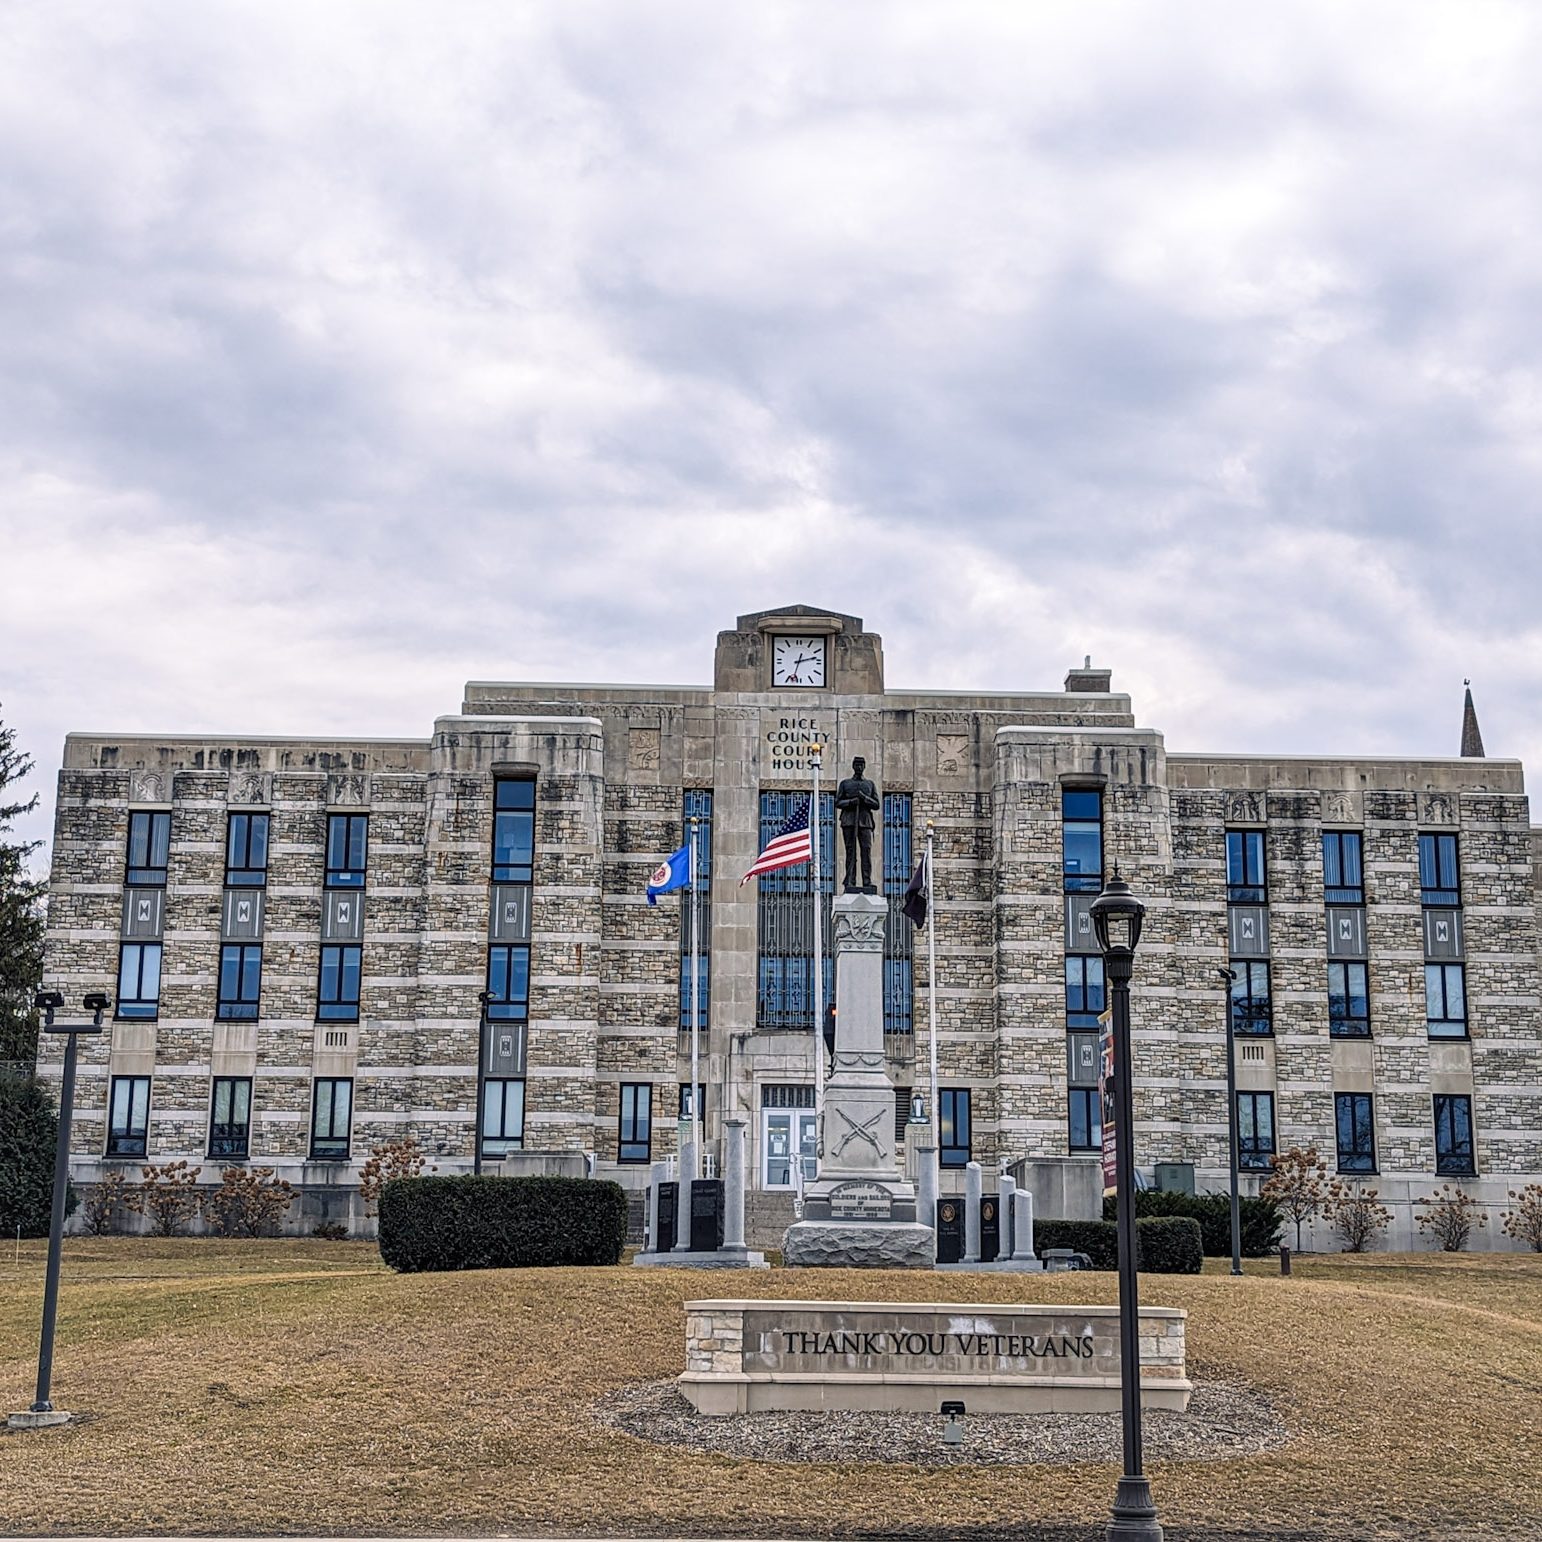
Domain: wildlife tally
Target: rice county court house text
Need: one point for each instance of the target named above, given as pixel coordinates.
(305, 939)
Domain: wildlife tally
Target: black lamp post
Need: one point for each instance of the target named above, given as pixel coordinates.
(483, 1021)
(1116, 918)
(1230, 976)
(42, 1410)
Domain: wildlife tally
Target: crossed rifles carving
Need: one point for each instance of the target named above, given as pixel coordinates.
(855, 1131)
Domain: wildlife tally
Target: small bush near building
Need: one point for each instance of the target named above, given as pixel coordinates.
(1357, 1215)
(1164, 1244)
(103, 1202)
(250, 1202)
(1261, 1219)
(168, 1195)
(1524, 1221)
(1450, 1216)
(404, 1158)
(429, 1224)
(330, 1231)
(29, 1134)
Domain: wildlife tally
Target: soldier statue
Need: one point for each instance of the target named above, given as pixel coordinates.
(856, 802)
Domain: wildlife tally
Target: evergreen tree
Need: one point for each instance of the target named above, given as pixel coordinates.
(29, 1133)
(21, 917)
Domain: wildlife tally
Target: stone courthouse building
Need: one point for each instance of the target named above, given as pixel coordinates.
(316, 946)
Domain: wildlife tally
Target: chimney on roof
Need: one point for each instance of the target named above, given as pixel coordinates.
(1087, 678)
(1472, 740)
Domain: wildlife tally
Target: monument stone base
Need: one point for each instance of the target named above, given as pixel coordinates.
(31, 1419)
(721, 1258)
(858, 1245)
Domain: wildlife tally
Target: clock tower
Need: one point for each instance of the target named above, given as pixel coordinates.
(799, 650)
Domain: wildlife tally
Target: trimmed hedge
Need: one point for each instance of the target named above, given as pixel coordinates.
(1164, 1244)
(1261, 1219)
(432, 1224)
(29, 1138)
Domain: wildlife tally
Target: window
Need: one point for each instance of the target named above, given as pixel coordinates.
(513, 830)
(139, 979)
(347, 841)
(1084, 995)
(953, 1126)
(697, 803)
(246, 850)
(503, 1116)
(1255, 1130)
(1453, 1135)
(1356, 1131)
(1342, 869)
(330, 1114)
(685, 1099)
(230, 1117)
(1438, 878)
(785, 989)
(128, 1116)
(148, 846)
(899, 935)
(1086, 1119)
(1445, 1000)
(1245, 882)
(508, 984)
(1349, 1001)
(1081, 839)
(634, 1135)
(240, 980)
(1251, 1011)
(337, 998)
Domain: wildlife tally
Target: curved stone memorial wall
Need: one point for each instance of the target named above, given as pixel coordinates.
(753, 1356)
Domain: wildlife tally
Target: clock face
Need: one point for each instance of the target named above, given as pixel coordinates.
(798, 661)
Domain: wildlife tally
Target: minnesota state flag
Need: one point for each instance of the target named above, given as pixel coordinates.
(673, 872)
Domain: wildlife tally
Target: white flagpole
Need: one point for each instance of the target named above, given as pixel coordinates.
(819, 966)
(931, 986)
(695, 1003)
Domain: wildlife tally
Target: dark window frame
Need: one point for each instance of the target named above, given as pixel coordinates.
(339, 1008)
(951, 1101)
(1335, 847)
(131, 1140)
(1253, 1153)
(1342, 1024)
(897, 815)
(697, 802)
(331, 1147)
(241, 872)
(1247, 880)
(1084, 1002)
(510, 1006)
(240, 1007)
(156, 840)
(1451, 1160)
(1445, 1025)
(681, 1111)
(634, 1111)
(1075, 803)
(496, 1144)
(513, 803)
(139, 1008)
(1091, 1098)
(347, 874)
(229, 1147)
(1361, 1154)
(1248, 1008)
(1440, 856)
(784, 938)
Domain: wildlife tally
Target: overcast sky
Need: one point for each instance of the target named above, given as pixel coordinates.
(348, 352)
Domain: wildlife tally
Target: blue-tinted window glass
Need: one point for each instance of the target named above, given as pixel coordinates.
(1085, 1120)
(230, 1117)
(508, 983)
(635, 1132)
(503, 1116)
(1255, 1130)
(1453, 1135)
(1349, 1002)
(1438, 880)
(697, 803)
(338, 994)
(1342, 868)
(785, 996)
(149, 847)
(1355, 1131)
(331, 1113)
(240, 980)
(139, 979)
(1085, 997)
(1245, 880)
(513, 830)
(347, 850)
(899, 936)
(953, 1126)
(1445, 999)
(1081, 813)
(128, 1116)
(246, 850)
(1251, 1009)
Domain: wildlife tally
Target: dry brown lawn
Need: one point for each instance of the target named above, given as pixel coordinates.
(298, 1386)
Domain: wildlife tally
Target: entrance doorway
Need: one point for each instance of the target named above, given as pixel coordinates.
(788, 1135)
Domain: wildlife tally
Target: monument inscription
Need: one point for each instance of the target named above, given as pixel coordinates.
(860, 1202)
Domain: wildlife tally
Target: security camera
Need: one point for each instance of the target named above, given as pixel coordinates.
(48, 1001)
(97, 1001)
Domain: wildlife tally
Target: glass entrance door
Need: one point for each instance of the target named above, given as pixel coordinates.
(785, 1131)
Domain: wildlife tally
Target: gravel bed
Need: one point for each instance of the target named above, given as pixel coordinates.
(1224, 1419)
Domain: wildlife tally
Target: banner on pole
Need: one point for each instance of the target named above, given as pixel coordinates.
(1106, 1103)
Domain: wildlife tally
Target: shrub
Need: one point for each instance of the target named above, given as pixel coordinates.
(1299, 1185)
(169, 1195)
(1524, 1222)
(249, 1202)
(500, 1223)
(402, 1158)
(330, 1231)
(1356, 1215)
(1165, 1244)
(1450, 1217)
(100, 1210)
(29, 1134)
(1261, 1219)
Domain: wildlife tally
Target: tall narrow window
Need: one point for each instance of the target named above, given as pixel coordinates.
(149, 846)
(1439, 880)
(1086, 1120)
(1251, 1008)
(1453, 1135)
(246, 851)
(953, 1126)
(1246, 883)
(1355, 1128)
(1445, 1000)
(508, 984)
(503, 1116)
(1085, 1000)
(1349, 1000)
(347, 850)
(513, 830)
(634, 1133)
(1343, 876)
(240, 980)
(1081, 839)
(128, 1116)
(139, 980)
(899, 935)
(1255, 1130)
(331, 1113)
(785, 993)
(697, 802)
(337, 997)
(230, 1118)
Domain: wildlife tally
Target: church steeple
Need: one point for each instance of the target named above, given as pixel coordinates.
(1472, 740)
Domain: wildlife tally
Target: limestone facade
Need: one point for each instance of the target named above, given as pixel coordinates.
(614, 769)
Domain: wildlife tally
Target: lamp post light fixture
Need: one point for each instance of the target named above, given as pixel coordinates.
(1116, 920)
(42, 1412)
(1230, 976)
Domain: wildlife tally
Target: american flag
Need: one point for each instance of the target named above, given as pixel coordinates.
(788, 847)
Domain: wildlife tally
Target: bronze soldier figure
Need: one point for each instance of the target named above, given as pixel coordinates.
(856, 802)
